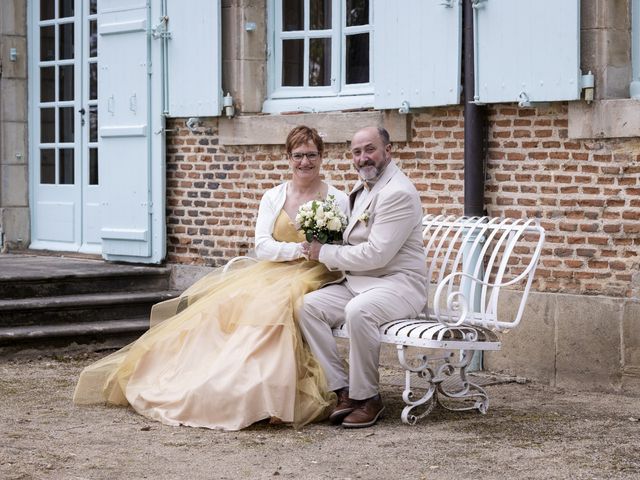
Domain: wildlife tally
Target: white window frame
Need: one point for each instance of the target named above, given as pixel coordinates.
(337, 96)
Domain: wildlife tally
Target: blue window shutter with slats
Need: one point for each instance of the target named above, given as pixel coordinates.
(527, 51)
(194, 58)
(416, 52)
(127, 116)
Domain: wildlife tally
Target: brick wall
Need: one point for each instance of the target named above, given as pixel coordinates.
(585, 193)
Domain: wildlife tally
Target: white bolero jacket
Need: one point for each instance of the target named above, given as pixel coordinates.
(266, 247)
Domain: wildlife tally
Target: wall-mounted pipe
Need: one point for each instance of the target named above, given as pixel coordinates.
(475, 122)
(475, 131)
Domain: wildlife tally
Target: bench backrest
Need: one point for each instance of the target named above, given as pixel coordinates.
(470, 259)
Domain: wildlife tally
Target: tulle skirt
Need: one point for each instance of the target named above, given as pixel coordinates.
(225, 354)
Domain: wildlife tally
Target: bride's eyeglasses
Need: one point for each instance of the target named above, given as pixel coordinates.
(311, 156)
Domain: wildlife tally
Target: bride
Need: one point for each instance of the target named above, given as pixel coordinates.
(228, 353)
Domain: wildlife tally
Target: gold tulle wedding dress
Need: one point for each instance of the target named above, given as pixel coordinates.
(225, 354)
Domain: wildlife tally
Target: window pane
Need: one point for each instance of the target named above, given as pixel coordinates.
(292, 63)
(93, 166)
(93, 81)
(47, 84)
(48, 166)
(320, 62)
(357, 60)
(93, 38)
(292, 15)
(93, 7)
(66, 41)
(320, 12)
(66, 125)
(47, 9)
(66, 8)
(93, 123)
(47, 43)
(357, 12)
(65, 167)
(65, 83)
(47, 125)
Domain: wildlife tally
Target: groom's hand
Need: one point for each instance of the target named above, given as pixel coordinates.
(314, 250)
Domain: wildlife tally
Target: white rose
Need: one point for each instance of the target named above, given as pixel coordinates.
(335, 225)
(320, 222)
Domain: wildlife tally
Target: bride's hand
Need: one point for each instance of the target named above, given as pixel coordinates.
(305, 249)
(313, 252)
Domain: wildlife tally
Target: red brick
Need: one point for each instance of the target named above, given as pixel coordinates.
(598, 264)
(612, 228)
(521, 134)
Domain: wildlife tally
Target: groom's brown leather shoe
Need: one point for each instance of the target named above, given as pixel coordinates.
(344, 407)
(365, 414)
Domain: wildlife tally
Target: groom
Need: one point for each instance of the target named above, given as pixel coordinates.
(385, 278)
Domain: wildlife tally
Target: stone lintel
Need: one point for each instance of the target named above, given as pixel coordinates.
(336, 127)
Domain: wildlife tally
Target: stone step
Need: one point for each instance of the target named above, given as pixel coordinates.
(72, 309)
(23, 276)
(82, 332)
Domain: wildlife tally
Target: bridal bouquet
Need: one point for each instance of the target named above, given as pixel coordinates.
(322, 220)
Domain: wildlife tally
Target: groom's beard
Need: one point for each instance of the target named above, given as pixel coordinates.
(369, 173)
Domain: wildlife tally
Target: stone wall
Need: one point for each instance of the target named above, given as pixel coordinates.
(14, 178)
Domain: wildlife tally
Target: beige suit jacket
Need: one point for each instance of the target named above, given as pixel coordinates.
(387, 250)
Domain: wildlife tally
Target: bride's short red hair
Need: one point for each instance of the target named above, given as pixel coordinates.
(301, 135)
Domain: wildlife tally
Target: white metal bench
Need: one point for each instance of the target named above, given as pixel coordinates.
(469, 259)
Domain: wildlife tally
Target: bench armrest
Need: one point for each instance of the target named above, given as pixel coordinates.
(470, 259)
(457, 304)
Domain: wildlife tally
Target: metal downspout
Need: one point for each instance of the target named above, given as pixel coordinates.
(475, 132)
(474, 122)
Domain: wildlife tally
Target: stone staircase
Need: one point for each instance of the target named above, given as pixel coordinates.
(56, 301)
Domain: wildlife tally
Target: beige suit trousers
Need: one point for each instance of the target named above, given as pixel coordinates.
(363, 313)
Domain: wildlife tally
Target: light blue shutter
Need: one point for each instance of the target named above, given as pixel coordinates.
(193, 51)
(416, 53)
(130, 142)
(527, 50)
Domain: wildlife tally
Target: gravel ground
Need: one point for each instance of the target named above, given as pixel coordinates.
(530, 431)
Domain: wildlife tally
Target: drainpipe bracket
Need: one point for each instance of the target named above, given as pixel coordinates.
(587, 84)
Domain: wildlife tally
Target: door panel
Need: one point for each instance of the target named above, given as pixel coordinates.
(57, 221)
(63, 76)
(56, 98)
(91, 179)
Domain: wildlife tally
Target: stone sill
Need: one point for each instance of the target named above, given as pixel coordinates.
(604, 119)
(334, 127)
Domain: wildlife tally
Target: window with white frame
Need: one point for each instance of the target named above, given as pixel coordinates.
(320, 55)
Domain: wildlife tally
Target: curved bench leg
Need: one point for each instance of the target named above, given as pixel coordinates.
(455, 397)
(426, 402)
